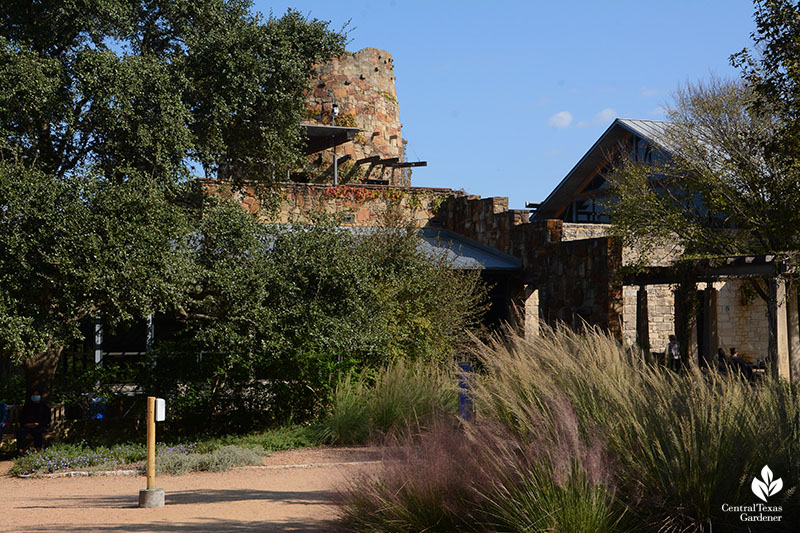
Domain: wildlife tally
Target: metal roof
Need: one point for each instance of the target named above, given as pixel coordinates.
(461, 252)
(464, 253)
(654, 131)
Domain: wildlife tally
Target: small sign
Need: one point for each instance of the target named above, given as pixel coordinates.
(161, 410)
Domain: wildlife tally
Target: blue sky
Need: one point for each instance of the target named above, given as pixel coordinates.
(502, 98)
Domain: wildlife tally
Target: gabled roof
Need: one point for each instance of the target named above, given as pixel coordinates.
(653, 131)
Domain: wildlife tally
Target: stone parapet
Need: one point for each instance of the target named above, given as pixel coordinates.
(356, 205)
(572, 271)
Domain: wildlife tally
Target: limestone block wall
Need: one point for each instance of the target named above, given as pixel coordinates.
(660, 313)
(362, 205)
(574, 232)
(742, 322)
(489, 221)
(363, 84)
(572, 279)
(577, 281)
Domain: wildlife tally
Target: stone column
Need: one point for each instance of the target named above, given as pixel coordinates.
(710, 335)
(531, 310)
(777, 315)
(642, 321)
(793, 308)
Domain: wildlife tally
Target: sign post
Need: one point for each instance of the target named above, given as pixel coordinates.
(151, 496)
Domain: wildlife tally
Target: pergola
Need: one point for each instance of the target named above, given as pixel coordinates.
(775, 271)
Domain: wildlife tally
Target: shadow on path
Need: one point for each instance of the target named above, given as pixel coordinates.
(193, 497)
(210, 525)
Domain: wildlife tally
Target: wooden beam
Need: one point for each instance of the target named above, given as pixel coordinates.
(371, 159)
(388, 161)
(344, 158)
(412, 164)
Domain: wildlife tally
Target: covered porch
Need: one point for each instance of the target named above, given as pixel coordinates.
(747, 302)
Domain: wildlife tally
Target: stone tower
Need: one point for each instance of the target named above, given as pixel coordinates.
(362, 84)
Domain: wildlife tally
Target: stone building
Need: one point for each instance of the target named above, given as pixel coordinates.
(555, 265)
(362, 86)
(573, 270)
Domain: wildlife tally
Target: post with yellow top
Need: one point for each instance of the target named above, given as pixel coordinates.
(151, 496)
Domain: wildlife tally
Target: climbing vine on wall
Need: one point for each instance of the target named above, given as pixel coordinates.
(415, 199)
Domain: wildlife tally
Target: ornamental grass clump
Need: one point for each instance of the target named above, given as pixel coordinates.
(574, 432)
(219, 460)
(400, 397)
(681, 446)
(431, 482)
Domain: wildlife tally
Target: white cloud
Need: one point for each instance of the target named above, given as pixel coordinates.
(600, 119)
(659, 111)
(647, 92)
(606, 115)
(560, 120)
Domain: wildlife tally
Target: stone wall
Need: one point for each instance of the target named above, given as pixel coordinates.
(363, 84)
(578, 282)
(362, 205)
(570, 279)
(575, 232)
(660, 313)
(741, 322)
(489, 221)
(661, 301)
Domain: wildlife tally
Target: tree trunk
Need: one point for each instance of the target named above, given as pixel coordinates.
(40, 371)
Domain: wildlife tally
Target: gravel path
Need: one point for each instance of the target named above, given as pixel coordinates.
(293, 499)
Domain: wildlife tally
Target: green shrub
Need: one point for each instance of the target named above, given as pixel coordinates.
(281, 311)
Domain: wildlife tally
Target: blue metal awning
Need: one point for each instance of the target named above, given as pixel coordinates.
(464, 253)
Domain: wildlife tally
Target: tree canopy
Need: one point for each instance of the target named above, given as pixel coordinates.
(722, 191)
(732, 182)
(155, 86)
(107, 109)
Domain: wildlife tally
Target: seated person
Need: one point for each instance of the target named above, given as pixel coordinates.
(3, 418)
(739, 362)
(33, 420)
